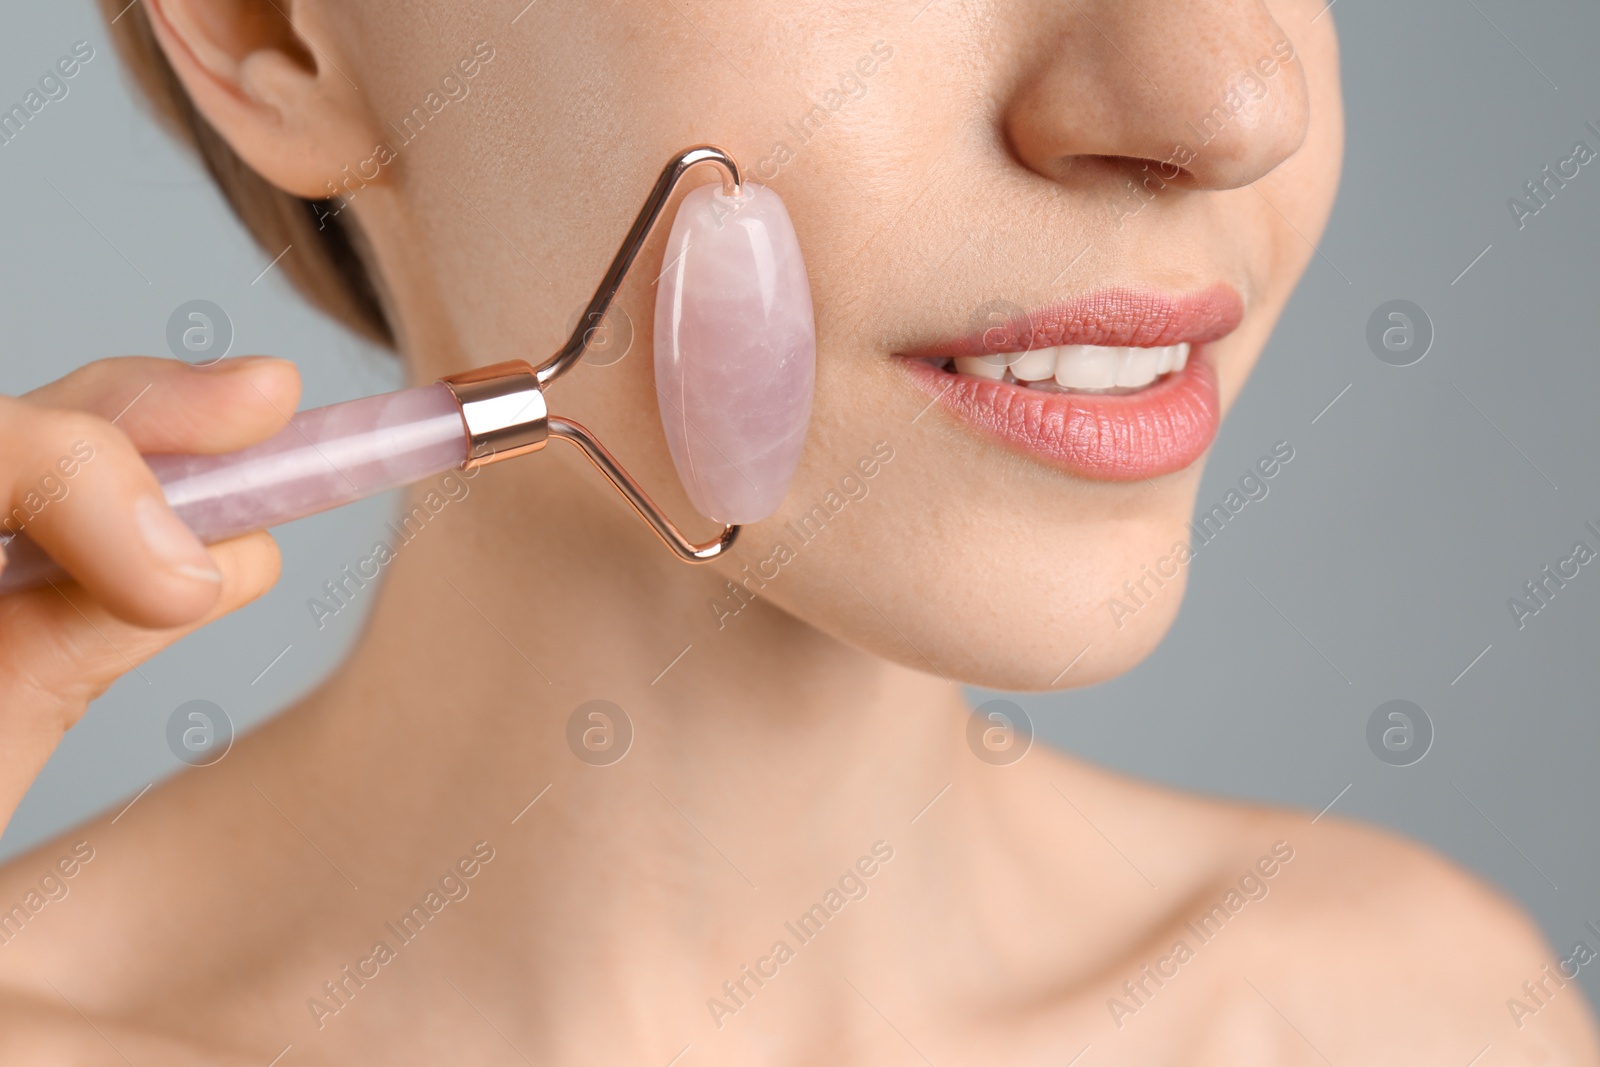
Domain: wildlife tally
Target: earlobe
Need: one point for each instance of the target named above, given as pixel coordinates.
(268, 86)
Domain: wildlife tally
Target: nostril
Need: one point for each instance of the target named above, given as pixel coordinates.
(1092, 167)
(1172, 170)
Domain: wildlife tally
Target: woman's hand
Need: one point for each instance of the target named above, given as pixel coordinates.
(71, 476)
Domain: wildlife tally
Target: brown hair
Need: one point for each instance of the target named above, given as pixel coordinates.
(326, 265)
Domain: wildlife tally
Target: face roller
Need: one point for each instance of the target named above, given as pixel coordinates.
(735, 350)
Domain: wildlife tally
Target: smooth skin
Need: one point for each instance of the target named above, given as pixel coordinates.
(986, 159)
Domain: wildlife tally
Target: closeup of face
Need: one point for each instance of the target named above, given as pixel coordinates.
(996, 181)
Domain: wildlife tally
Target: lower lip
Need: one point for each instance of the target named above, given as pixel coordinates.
(1157, 430)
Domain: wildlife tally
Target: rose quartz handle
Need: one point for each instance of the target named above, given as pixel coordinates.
(325, 457)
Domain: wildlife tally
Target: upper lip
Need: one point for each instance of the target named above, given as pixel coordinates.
(1136, 318)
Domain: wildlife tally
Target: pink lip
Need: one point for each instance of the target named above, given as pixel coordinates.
(1160, 429)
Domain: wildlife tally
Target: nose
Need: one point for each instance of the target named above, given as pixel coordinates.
(1209, 91)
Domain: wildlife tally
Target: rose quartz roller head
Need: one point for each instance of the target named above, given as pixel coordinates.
(736, 350)
(334, 455)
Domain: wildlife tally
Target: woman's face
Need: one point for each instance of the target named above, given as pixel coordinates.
(964, 177)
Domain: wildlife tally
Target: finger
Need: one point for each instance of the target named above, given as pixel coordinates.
(167, 405)
(78, 488)
(59, 650)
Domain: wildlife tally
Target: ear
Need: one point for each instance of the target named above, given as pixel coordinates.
(267, 84)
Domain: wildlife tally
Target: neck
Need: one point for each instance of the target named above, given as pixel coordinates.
(765, 757)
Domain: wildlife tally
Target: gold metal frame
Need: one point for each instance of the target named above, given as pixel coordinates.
(504, 408)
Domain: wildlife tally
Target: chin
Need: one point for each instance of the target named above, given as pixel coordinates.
(1085, 596)
(1063, 635)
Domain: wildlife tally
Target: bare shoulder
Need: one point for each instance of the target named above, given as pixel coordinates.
(1373, 949)
(34, 1033)
(38, 1023)
(51, 1032)
(1270, 936)
(37, 881)
(59, 931)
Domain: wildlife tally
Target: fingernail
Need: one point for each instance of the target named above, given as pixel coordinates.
(170, 541)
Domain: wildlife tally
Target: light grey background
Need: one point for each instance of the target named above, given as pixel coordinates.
(1378, 567)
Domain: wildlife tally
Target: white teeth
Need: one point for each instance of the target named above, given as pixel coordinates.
(1035, 365)
(1137, 366)
(1085, 367)
(981, 366)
